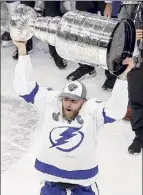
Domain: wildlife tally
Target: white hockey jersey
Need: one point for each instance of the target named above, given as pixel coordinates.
(67, 151)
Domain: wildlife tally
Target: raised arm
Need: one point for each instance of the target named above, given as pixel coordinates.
(24, 82)
(115, 108)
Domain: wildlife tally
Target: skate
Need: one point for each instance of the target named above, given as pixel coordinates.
(136, 146)
(6, 40)
(81, 73)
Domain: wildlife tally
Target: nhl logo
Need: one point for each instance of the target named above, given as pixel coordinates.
(72, 87)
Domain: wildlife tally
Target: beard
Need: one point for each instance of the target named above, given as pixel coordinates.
(70, 115)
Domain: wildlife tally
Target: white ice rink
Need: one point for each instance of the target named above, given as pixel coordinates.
(120, 173)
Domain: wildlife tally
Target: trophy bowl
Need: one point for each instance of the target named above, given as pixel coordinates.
(20, 23)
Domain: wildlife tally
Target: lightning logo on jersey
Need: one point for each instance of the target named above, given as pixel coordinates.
(69, 138)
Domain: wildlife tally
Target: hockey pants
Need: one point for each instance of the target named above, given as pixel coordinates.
(51, 188)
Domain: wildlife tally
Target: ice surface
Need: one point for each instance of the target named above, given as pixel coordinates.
(17, 119)
(120, 173)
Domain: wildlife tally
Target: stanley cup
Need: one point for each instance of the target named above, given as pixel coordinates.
(79, 36)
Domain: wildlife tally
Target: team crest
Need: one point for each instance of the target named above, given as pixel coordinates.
(72, 87)
(66, 139)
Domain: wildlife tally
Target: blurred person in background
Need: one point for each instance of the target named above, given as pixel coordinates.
(135, 89)
(110, 78)
(135, 79)
(5, 37)
(11, 5)
(53, 9)
(39, 7)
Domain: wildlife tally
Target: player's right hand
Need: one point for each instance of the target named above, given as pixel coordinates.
(21, 46)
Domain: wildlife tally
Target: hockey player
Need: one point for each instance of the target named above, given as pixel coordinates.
(70, 128)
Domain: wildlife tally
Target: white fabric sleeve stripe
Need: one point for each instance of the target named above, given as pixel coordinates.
(116, 106)
(24, 81)
(25, 84)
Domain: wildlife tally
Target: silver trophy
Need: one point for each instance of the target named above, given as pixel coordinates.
(79, 36)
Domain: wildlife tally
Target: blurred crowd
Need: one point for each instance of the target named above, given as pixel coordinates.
(135, 77)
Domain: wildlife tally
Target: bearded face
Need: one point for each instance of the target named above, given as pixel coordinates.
(71, 108)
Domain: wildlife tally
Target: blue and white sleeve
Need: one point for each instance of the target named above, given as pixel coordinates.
(26, 86)
(115, 108)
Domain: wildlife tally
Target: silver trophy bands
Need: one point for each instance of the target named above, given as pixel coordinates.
(79, 36)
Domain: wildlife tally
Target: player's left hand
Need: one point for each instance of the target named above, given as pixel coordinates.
(130, 64)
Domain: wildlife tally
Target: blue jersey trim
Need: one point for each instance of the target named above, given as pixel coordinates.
(107, 119)
(29, 98)
(76, 174)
